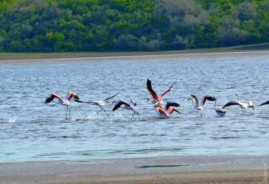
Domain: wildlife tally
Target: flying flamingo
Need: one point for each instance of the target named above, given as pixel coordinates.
(100, 103)
(243, 106)
(166, 112)
(63, 101)
(128, 106)
(154, 97)
(196, 104)
(265, 103)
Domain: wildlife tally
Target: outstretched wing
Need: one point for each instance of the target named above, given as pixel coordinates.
(119, 103)
(176, 111)
(171, 104)
(52, 96)
(111, 97)
(89, 102)
(232, 102)
(149, 87)
(265, 103)
(164, 93)
(207, 97)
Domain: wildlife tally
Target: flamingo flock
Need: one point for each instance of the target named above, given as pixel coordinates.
(162, 111)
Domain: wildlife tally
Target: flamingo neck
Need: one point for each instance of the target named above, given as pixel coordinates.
(192, 102)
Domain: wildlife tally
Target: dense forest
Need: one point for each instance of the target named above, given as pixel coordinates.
(130, 25)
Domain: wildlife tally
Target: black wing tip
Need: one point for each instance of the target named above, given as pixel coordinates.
(211, 98)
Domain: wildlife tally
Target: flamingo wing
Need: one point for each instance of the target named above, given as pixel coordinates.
(232, 102)
(71, 94)
(111, 97)
(164, 93)
(149, 87)
(207, 97)
(119, 103)
(171, 104)
(89, 102)
(221, 110)
(265, 103)
(52, 96)
(176, 111)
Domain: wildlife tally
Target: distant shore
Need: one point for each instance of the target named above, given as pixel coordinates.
(260, 48)
(157, 170)
(89, 57)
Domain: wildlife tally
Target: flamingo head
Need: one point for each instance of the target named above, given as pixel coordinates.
(193, 95)
(251, 105)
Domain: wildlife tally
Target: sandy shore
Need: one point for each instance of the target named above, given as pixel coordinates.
(154, 170)
(138, 57)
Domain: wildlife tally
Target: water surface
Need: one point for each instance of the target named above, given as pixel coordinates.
(32, 130)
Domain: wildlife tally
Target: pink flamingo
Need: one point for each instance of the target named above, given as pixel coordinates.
(243, 106)
(63, 101)
(155, 98)
(196, 104)
(128, 106)
(100, 103)
(166, 112)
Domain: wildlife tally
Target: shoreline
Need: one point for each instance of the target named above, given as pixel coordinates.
(166, 169)
(150, 56)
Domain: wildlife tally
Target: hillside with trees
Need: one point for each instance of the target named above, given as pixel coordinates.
(130, 25)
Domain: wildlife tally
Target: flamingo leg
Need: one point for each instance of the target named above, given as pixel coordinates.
(138, 115)
(132, 115)
(102, 109)
(66, 112)
(69, 113)
(106, 112)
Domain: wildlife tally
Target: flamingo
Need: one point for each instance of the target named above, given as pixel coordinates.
(128, 106)
(63, 101)
(166, 112)
(220, 112)
(265, 103)
(243, 106)
(154, 97)
(100, 103)
(196, 104)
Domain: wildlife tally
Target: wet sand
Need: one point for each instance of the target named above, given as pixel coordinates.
(138, 57)
(154, 170)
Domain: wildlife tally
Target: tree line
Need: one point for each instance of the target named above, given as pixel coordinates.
(130, 25)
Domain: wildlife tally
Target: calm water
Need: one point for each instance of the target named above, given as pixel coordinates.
(32, 130)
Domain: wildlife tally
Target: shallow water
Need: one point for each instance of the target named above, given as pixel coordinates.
(32, 130)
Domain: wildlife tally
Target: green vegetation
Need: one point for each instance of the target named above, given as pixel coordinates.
(130, 25)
